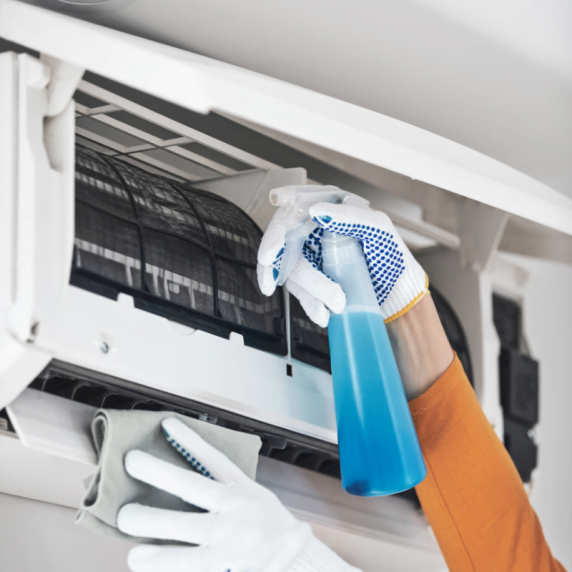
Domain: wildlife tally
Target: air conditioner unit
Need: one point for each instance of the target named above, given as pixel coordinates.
(134, 181)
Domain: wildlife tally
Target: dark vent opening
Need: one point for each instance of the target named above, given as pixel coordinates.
(507, 317)
(454, 331)
(148, 406)
(519, 442)
(99, 390)
(331, 468)
(519, 387)
(5, 423)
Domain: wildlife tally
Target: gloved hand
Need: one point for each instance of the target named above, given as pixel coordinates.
(398, 279)
(246, 528)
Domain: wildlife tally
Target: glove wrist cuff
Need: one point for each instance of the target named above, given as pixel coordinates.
(317, 557)
(410, 289)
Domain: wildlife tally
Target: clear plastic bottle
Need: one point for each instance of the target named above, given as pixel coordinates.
(379, 449)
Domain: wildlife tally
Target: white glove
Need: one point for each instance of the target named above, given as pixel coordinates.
(317, 293)
(398, 279)
(246, 528)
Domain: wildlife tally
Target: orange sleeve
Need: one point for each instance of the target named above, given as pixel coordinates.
(473, 495)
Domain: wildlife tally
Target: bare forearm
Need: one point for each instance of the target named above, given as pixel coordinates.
(421, 348)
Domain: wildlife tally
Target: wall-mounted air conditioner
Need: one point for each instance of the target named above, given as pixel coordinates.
(134, 187)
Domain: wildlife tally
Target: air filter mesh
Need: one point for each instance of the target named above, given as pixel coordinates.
(186, 254)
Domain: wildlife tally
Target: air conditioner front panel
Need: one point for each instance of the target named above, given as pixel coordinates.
(115, 338)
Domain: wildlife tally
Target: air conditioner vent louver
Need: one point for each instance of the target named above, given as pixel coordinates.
(185, 254)
(102, 391)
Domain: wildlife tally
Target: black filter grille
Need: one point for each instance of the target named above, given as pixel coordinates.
(185, 254)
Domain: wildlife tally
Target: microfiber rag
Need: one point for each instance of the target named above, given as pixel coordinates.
(116, 432)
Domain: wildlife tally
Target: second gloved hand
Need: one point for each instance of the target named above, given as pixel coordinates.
(246, 528)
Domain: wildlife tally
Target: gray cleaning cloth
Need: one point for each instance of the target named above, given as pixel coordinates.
(117, 432)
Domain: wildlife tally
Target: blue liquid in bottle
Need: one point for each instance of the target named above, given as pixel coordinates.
(379, 449)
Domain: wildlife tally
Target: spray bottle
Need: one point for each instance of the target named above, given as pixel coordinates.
(379, 449)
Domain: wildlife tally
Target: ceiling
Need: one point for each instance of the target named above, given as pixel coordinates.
(494, 75)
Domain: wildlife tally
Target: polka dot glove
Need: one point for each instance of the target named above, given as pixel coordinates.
(399, 280)
(245, 527)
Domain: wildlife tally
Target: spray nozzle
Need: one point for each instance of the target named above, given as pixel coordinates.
(297, 200)
(283, 197)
